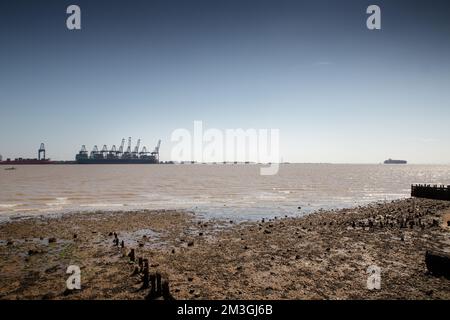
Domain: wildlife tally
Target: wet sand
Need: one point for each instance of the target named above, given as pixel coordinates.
(324, 255)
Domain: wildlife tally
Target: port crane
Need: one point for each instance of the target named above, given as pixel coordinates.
(136, 149)
(112, 153)
(41, 151)
(94, 152)
(121, 147)
(155, 152)
(83, 150)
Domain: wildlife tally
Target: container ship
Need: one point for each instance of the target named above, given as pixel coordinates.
(391, 161)
(118, 156)
(41, 159)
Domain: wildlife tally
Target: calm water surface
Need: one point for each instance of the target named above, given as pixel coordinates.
(218, 190)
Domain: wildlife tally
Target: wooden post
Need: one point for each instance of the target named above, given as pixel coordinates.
(152, 293)
(158, 285)
(145, 277)
(165, 291)
(131, 255)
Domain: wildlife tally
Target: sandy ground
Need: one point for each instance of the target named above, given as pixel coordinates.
(324, 255)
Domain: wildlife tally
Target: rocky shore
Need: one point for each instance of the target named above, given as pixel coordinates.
(325, 255)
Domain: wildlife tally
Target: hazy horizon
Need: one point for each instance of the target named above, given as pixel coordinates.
(338, 92)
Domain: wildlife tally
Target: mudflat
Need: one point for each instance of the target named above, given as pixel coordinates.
(324, 255)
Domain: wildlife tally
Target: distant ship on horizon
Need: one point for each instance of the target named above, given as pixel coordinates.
(392, 161)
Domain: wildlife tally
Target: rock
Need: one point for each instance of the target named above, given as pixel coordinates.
(75, 236)
(239, 268)
(9, 243)
(110, 234)
(190, 279)
(438, 263)
(299, 208)
(200, 234)
(52, 269)
(68, 292)
(48, 296)
(173, 251)
(190, 243)
(51, 240)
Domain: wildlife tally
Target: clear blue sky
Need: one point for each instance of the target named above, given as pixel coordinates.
(337, 91)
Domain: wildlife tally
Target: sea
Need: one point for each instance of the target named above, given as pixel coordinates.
(235, 191)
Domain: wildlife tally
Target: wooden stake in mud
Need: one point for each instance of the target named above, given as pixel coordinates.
(145, 277)
(158, 285)
(122, 244)
(140, 264)
(159, 288)
(131, 255)
(152, 293)
(165, 291)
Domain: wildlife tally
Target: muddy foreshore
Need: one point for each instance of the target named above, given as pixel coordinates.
(324, 255)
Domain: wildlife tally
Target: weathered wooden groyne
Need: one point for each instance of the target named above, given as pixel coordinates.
(437, 192)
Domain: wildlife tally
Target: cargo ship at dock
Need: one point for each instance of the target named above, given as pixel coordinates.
(118, 155)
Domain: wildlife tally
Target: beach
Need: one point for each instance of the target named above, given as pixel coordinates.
(323, 255)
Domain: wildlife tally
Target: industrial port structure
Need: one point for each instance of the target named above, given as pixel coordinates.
(96, 156)
(39, 160)
(118, 155)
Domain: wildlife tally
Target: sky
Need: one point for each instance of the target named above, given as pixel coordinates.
(337, 91)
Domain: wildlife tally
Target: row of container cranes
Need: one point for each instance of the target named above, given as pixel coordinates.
(118, 155)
